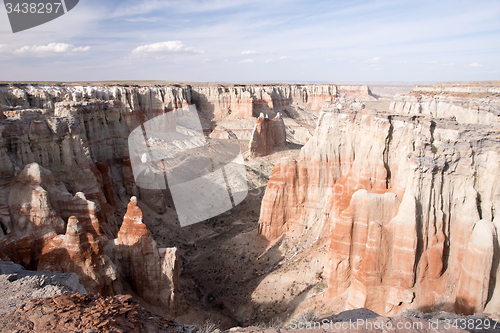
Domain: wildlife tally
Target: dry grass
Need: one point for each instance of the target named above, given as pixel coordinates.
(208, 326)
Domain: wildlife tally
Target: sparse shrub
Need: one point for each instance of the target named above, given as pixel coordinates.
(308, 317)
(208, 326)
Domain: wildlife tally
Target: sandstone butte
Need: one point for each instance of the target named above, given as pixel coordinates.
(267, 135)
(406, 198)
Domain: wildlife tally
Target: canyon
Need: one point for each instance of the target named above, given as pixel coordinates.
(353, 202)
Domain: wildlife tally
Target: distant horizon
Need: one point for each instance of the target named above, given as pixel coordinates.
(169, 82)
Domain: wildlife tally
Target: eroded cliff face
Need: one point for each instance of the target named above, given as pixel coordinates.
(407, 199)
(467, 104)
(40, 239)
(223, 108)
(267, 135)
(65, 178)
(410, 204)
(213, 102)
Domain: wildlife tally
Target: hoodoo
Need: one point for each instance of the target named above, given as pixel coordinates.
(267, 135)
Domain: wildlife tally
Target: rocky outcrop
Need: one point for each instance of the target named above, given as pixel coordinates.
(267, 135)
(69, 143)
(467, 104)
(404, 201)
(37, 205)
(81, 253)
(18, 285)
(153, 271)
(477, 264)
(88, 313)
(360, 92)
(41, 236)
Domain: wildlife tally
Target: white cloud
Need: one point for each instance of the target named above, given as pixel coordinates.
(475, 64)
(376, 59)
(81, 49)
(50, 49)
(284, 57)
(432, 62)
(173, 46)
(249, 52)
(269, 61)
(451, 64)
(247, 61)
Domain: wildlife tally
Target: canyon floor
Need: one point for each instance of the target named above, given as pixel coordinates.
(224, 258)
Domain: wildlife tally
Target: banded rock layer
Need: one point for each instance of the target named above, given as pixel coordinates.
(213, 102)
(410, 205)
(467, 104)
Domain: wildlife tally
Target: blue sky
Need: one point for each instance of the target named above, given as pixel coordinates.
(260, 41)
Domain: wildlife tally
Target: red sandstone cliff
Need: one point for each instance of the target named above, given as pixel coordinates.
(408, 203)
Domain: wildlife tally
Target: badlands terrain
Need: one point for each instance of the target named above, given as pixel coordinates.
(382, 198)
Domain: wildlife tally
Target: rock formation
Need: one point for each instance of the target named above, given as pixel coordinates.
(409, 202)
(88, 313)
(153, 271)
(65, 172)
(408, 199)
(213, 102)
(467, 104)
(361, 92)
(18, 285)
(79, 252)
(39, 238)
(267, 134)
